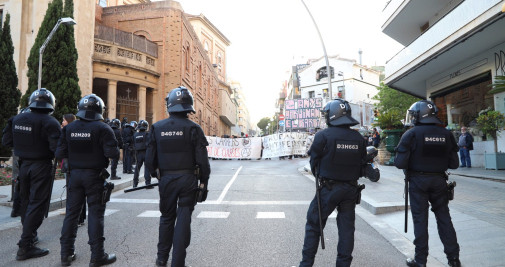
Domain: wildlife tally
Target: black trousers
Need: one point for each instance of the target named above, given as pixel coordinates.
(431, 189)
(84, 184)
(113, 166)
(177, 202)
(141, 156)
(127, 159)
(35, 182)
(342, 196)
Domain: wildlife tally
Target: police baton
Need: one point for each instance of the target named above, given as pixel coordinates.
(319, 209)
(406, 200)
(149, 186)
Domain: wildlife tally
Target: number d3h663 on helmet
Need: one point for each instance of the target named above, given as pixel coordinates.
(42, 99)
(180, 99)
(338, 113)
(422, 112)
(90, 108)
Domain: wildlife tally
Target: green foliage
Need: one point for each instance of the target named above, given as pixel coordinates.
(498, 85)
(9, 101)
(490, 123)
(392, 107)
(262, 124)
(59, 64)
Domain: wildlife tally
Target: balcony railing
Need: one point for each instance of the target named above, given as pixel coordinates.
(126, 39)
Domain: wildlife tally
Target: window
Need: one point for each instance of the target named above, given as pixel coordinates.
(311, 94)
(206, 46)
(102, 3)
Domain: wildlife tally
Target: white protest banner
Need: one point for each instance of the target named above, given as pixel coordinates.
(284, 144)
(234, 148)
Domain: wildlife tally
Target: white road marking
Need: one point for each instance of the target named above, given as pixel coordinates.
(150, 213)
(228, 185)
(270, 215)
(214, 202)
(213, 214)
(110, 211)
(135, 200)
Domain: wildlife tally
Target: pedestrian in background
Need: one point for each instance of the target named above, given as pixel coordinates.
(425, 152)
(376, 138)
(465, 144)
(177, 147)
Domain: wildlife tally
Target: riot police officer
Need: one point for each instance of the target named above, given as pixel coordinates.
(139, 144)
(425, 152)
(34, 136)
(337, 156)
(176, 147)
(116, 127)
(87, 143)
(127, 134)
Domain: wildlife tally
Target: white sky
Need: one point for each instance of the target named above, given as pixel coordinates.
(269, 36)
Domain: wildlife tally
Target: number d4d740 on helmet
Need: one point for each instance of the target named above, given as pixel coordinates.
(180, 99)
(42, 99)
(422, 112)
(338, 113)
(90, 108)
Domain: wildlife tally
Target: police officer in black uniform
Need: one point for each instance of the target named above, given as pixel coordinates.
(140, 146)
(116, 127)
(128, 131)
(425, 152)
(34, 136)
(176, 147)
(337, 156)
(88, 144)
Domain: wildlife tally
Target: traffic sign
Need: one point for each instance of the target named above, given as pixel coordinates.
(281, 123)
(281, 117)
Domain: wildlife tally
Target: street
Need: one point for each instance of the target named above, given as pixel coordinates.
(254, 216)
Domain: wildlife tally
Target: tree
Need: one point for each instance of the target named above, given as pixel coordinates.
(392, 106)
(59, 65)
(9, 101)
(262, 124)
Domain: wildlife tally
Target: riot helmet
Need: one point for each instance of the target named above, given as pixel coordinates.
(180, 99)
(338, 113)
(43, 100)
(133, 124)
(422, 112)
(115, 124)
(90, 108)
(143, 125)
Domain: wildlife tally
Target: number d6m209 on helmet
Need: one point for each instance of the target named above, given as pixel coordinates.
(424, 112)
(90, 108)
(143, 125)
(180, 99)
(338, 112)
(42, 99)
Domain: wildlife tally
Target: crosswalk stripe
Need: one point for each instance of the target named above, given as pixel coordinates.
(270, 215)
(150, 213)
(213, 214)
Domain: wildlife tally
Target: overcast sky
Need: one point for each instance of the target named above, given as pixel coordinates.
(269, 36)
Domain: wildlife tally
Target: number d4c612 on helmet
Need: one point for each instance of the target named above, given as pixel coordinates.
(338, 113)
(90, 108)
(180, 99)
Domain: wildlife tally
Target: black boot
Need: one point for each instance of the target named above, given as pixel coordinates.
(30, 252)
(413, 263)
(454, 262)
(67, 260)
(35, 240)
(160, 262)
(106, 259)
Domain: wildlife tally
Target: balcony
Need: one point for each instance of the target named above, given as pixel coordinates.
(455, 37)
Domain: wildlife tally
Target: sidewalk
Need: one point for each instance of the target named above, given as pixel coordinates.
(481, 242)
(58, 196)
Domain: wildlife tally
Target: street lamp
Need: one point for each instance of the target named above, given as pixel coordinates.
(68, 21)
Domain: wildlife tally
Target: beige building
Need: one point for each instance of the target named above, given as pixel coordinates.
(243, 117)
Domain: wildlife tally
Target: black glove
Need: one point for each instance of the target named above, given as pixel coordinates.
(201, 195)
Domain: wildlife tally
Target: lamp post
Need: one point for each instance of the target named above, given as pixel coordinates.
(68, 21)
(324, 51)
(340, 73)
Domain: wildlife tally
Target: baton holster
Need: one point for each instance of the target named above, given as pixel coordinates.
(450, 190)
(104, 174)
(107, 191)
(358, 197)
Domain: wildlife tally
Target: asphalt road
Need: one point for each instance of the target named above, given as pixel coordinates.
(254, 216)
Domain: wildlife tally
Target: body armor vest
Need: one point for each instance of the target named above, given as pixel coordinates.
(28, 139)
(174, 144)
(139, 140)
(432, 149)
(343, 154)
(84, 148)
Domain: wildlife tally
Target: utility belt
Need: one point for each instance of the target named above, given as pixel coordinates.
(416, 173)
(330, 183)
(34, 160)
(445, 175)
(183, 171)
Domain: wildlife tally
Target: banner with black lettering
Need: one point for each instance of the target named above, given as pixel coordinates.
(284, 144)
(234, 148)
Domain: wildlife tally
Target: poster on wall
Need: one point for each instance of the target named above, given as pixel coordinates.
(284, 144)
(303, 113)
(234, 148)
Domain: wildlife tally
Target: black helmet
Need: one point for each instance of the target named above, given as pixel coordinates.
(115, 124)
(133, 124)
(423, 111)
(371, 153)
(90, 108)
(143, 125)
(338, 112)
(180, 99)
(42, 99)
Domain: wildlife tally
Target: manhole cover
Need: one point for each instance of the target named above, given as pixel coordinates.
(2, 196)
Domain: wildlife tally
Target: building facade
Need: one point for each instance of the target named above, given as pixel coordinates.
(453, 52)
(243, 117)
